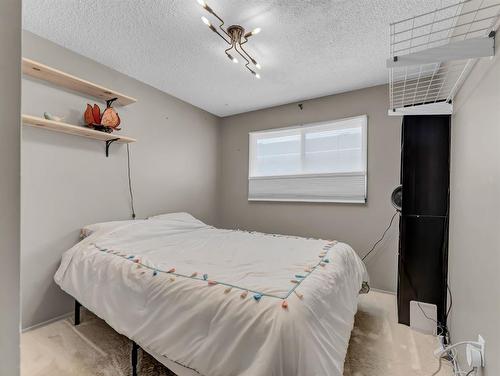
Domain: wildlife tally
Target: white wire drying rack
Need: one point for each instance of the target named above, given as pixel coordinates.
(432, 53)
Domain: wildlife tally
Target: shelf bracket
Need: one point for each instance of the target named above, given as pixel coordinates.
(108, 143)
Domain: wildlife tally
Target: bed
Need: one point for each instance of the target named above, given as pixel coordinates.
(214, 302)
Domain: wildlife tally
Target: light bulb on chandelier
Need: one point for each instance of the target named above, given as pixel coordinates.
(206, 21)
(233, 59)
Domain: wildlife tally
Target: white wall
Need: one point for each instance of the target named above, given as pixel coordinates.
(474, 253)
(68, 182)
(10, 99)
(358, 225)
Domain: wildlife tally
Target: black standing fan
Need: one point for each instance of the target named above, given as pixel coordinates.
(397, 197)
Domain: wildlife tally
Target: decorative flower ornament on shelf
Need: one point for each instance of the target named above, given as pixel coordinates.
(235, 37)
(108, 122)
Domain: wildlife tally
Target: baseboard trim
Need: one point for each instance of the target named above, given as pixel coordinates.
(383, 291)
(39, 325)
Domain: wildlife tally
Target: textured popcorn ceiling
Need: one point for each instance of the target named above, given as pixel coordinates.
(307, 48)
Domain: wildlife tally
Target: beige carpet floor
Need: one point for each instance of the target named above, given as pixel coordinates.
(378, 347)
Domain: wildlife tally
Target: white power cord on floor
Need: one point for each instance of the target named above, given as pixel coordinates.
(450, 350)
(456, 368)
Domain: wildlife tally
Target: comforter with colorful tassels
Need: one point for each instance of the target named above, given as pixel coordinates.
(220, 302)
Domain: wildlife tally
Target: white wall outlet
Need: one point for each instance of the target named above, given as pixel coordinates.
(475, 353)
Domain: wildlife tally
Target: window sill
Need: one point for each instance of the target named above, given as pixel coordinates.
(336, 201)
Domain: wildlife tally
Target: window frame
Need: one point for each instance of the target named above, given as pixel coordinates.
(302, 127)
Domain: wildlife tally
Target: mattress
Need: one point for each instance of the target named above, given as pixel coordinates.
(220, 302)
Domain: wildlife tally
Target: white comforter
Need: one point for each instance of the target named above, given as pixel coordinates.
(221, 313)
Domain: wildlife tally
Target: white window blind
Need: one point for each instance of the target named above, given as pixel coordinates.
(320, 162)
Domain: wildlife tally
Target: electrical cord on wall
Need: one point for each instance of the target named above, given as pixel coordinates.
(130, 183)
(381, 238)
(445, 246)
(451, 303)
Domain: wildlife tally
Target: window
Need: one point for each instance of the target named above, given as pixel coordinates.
(320, 162)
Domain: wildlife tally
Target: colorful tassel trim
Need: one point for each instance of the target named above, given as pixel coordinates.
(256, 296)
(299, 295)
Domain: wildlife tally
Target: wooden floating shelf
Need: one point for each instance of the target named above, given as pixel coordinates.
(76, 130)
(68, 81)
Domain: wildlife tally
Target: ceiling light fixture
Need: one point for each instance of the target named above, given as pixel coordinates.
(236, 37)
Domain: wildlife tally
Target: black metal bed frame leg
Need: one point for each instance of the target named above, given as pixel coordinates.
(134, 356)
(77, 312)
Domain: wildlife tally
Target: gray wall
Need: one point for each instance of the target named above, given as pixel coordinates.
(68, 182)
(10, 99)
(358, 225)
(474, 261)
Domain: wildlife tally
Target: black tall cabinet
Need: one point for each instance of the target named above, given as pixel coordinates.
(423, 240)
